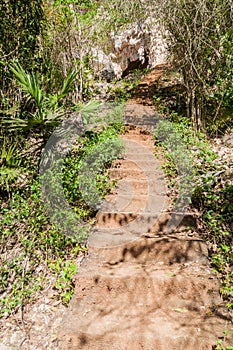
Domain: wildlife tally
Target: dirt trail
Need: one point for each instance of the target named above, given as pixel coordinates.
(144, 93)
(141, 287)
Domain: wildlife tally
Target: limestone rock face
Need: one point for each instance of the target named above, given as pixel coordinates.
(138, 47)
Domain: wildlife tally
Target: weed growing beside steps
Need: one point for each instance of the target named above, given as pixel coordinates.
(35, 256)
(220, 342)
(95, 151)
(212, 196)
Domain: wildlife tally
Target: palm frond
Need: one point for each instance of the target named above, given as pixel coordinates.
(28, 82)
(8, 175)
(10, 111)
(90, 112)
(48, 111)
(67, 84)
(54, 115)
(12, 124)
(9, 155)
(10, 165)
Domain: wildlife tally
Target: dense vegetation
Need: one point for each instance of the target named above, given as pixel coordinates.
(209, 189)
(39, 89)
(47, 75)
(35, 252)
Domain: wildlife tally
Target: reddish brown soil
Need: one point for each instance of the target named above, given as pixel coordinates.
(147, 87)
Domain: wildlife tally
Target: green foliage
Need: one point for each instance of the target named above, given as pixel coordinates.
(22, 23)
(36, 255)
(45, 110)
(181, 148)
(122, 90)
(89, 111)
(29, 244)
(68, 42)
(86, 167)
(223, 93)
(220, 343)
(120, 94)
(121, 14)
(64, 271)
(10, 169)
(212, 194)
(225, 80)
(217, 209)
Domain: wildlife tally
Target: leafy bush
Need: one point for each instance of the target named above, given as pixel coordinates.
(92, 153)
(212, 194)
(29, 247)
(36, 255)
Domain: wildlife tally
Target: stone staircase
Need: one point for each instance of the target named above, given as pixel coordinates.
(140, 287)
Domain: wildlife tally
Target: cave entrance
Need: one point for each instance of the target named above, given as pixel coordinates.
(138, 64)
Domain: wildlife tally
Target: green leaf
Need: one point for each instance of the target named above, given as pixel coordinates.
(170, 274)
(67, 84)
(28, 82)
(181, 310)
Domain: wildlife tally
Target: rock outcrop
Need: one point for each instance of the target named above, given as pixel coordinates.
(136, 48)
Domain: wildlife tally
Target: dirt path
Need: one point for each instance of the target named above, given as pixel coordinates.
(144, 93)
(141, 287)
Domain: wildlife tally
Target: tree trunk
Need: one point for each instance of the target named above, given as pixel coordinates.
(196, 110)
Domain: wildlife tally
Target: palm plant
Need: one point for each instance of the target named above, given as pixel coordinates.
(10, 170)
(46, 110)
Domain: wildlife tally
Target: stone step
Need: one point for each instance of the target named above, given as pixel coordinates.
(141, 120)
(131, 147)
(148, 336)
(145, 101)
(136, 109)
(131, 202)
(133, 155)
(150, 203)
(114, 219)
(139, 141)
(106, 220)
(154, 222)
(141, 163)
(135, 306)
(143, 134)
(132, 173)
(119, 245)
(118, 174)
(141, 186)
